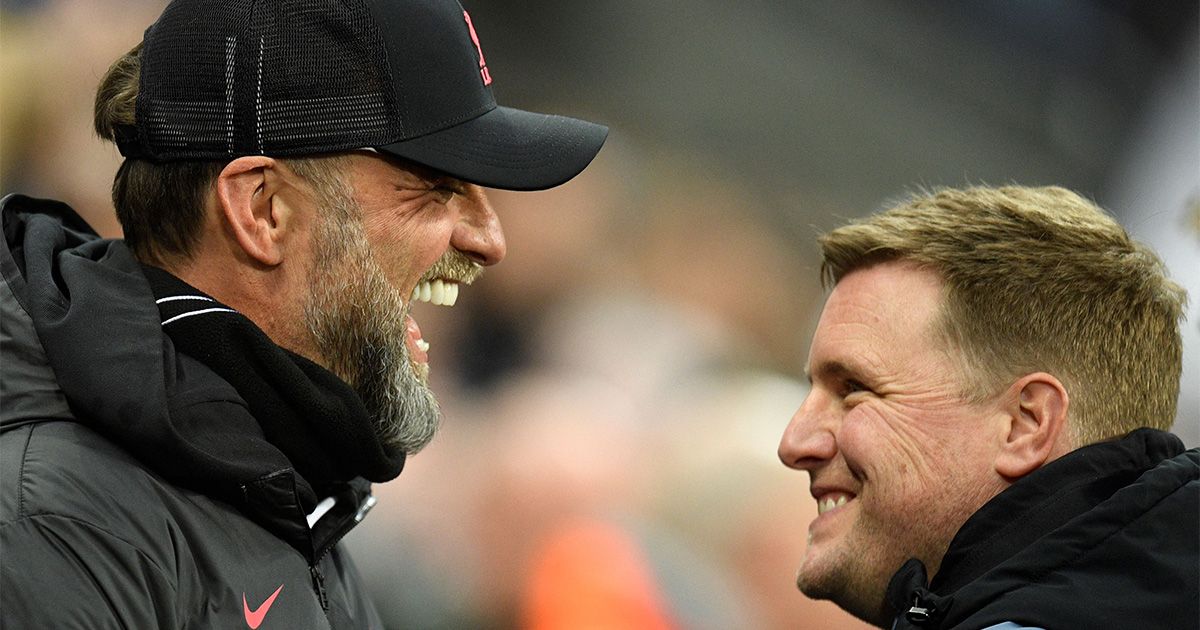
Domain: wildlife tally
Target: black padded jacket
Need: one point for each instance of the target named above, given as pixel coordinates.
(1107, 536)
(137, 490)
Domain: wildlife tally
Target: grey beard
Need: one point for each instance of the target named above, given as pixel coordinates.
(405, 411)
(357, 320)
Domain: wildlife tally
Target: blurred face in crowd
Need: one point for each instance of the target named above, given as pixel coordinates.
(897, 460)
(404, 234)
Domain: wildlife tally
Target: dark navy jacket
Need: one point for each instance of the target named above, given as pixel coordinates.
(1107, 536)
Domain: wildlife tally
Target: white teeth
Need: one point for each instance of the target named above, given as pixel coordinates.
(830, 503)
(438, 292)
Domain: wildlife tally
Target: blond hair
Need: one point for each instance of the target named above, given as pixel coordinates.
(1038, 279)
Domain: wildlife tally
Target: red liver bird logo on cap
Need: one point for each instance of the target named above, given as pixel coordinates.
(483, 70)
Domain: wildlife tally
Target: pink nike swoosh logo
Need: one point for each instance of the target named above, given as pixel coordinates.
(254, 618)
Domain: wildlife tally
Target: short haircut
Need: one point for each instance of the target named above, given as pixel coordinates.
(161, 205)
(1037, 279)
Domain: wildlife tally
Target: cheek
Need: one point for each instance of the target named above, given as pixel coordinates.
(874, 428)
(400, 246)
(890, 444)
(390, 232)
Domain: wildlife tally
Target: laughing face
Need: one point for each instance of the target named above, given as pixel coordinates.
(897, 459)
(403, 235)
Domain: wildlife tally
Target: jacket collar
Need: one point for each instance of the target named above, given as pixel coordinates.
(317, 420)
(1046, 499)
(274, 503)
(1041, 502)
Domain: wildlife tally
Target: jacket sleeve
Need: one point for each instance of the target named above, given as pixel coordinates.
(58, 572)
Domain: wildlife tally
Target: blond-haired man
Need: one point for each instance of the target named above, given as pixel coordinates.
(993, 376)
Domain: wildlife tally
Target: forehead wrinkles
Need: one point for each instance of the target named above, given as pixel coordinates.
(852, 336)
(884, 325)
(876, 303)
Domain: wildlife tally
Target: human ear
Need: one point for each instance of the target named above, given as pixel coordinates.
(256, 215)
(1036, 416)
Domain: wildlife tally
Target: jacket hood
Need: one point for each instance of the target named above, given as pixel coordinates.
(83, 340)
(72, 290)
(27, 384)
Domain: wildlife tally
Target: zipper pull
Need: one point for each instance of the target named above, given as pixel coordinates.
(922, 611)
(318, 584)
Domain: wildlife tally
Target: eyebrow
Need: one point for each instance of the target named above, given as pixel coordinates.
(833, 369)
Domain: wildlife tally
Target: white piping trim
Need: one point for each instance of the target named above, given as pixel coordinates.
(322, 508)
(230, 50)
(175, 298)
(258, 97)
(199, 312)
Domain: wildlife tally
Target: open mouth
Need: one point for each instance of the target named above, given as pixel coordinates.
(439, 292)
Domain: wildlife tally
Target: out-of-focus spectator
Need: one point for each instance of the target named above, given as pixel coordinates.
(53, 55)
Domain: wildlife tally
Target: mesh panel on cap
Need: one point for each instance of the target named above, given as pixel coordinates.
(278, 78)
(182, 103)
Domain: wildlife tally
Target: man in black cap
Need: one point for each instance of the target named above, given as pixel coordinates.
(193, 416)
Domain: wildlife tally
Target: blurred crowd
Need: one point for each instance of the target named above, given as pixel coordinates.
(613, 393)
(613, 396)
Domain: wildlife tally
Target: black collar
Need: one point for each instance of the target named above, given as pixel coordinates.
(1046, 499)
(1041, 502)
(308, 413)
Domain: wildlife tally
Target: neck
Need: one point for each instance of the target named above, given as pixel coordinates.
(267, 296)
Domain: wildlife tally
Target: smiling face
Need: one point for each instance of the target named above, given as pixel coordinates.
(402, 235)
(897, 459)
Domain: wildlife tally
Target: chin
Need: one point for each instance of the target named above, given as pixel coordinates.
(847, 585)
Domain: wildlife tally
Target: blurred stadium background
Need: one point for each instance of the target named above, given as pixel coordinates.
(614, 392)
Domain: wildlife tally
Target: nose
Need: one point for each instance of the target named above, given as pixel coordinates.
(478, 234)
(810, 439)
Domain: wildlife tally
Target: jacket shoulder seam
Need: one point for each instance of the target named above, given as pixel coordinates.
(48, 516)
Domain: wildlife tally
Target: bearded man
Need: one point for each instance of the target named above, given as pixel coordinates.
(193, 415)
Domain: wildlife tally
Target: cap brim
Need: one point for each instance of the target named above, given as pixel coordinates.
(508, 148)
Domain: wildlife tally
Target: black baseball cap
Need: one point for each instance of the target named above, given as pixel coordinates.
(227, 78)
